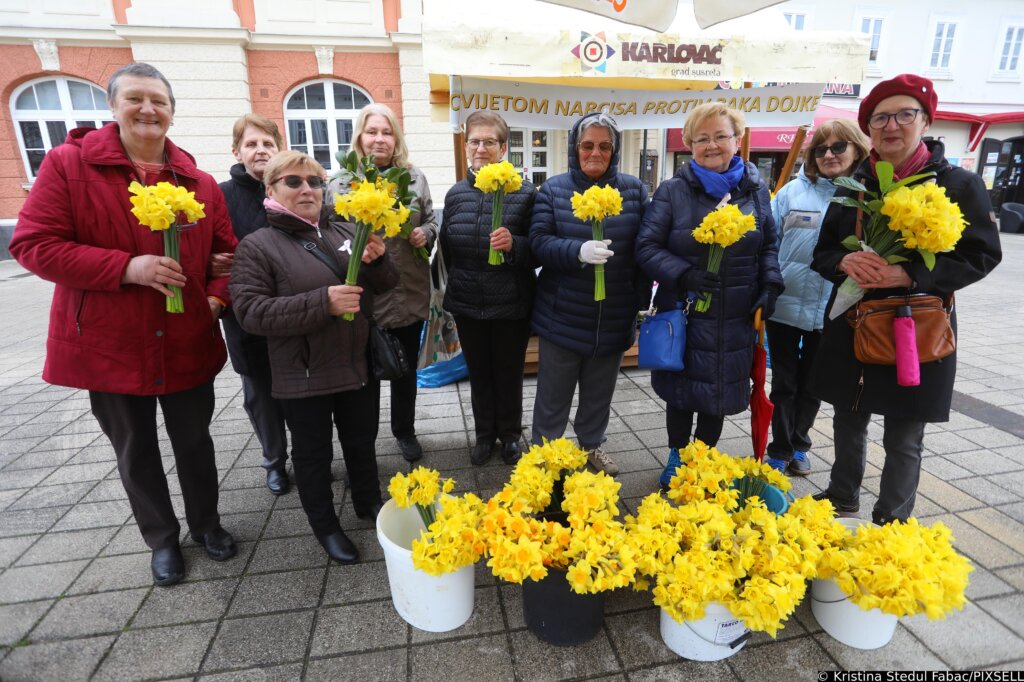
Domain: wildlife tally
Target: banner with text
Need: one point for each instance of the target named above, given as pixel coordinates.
(533, 105)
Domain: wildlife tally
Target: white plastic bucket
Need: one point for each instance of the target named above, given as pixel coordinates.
(845, 621)
(434, 604)
(708, 639)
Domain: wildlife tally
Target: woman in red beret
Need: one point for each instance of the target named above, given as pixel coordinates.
(896, 115)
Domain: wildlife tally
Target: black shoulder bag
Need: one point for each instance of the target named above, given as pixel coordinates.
(387, 355)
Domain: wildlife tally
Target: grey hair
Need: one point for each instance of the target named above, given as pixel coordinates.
(141, 70)
(601, 120)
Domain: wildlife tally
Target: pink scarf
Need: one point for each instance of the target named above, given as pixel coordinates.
(914, 163)
(276, 207)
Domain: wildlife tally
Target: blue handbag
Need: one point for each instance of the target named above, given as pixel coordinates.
(663, 339)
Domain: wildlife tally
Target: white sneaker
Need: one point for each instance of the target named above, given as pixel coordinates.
(600, 460)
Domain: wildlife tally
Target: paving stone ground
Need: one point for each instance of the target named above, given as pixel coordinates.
(76, 599)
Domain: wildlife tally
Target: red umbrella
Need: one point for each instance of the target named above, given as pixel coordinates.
(760, 407)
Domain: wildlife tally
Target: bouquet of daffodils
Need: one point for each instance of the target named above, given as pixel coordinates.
(899, 220)
(498, 179)
(373, 206)
(720, 229)
(596, 204)
(707, 474)
(421, 488)
(159, 208)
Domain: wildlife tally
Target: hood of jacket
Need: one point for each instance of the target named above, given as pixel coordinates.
(578, 175)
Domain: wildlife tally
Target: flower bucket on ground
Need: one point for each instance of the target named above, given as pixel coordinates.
(441, 599)
(877, 574)
(717, 635)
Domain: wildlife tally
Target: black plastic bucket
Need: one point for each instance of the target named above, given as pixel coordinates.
(559, 616)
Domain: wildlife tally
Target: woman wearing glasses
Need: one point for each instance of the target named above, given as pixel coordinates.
(403, 309)
(490, 303)
(836, 149)
(715, 380)
(896, 115)
(284, 285)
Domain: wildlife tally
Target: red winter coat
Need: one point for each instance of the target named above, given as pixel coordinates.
(76, 230)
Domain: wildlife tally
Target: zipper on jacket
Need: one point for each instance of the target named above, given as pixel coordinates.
(860, 390)
(78, 313)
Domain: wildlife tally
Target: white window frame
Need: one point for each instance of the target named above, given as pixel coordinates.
(796, 20)
(941, 72)
(528, 149)
(330, 113)
(1007, 75)
(875, 68)
(67, 115)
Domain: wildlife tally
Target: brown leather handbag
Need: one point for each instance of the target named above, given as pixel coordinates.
(873, 340)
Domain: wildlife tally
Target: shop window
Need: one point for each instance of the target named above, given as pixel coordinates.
(45, 110)
(320, 116)
(528, 150)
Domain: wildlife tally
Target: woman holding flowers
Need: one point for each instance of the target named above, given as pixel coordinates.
(582, 335)
(794, 331)
(318, 359)
(715, 196)
(402, 309)
(111, 332)
(490, 303)
(896, 114)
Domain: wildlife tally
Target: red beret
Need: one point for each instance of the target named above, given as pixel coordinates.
(921, 89)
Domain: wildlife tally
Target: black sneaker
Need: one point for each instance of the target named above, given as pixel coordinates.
(411, 448)
(840, 507)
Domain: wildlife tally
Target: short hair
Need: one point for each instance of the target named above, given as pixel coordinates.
(600, 120)
(488, 118)
(260, 123)
(707, 111)
(843, 129)
(282, 161)
(141, 70)
(400, 157)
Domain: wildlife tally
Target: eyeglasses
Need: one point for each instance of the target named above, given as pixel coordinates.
(295, 181)
(489, 143)
(836, 148)
(589, 147)
(719, 140)
(903, 117)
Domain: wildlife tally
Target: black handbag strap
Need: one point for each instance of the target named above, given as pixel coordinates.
(312, 248)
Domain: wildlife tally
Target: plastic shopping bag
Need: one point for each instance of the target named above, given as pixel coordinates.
(440, 336)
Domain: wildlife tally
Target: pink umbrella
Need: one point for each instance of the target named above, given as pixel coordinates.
(761, 408)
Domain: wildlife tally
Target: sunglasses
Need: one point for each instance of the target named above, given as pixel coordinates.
(295, 181)
(836, 148)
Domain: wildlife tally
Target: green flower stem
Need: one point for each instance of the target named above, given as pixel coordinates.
(598, 232)
(715, 253)
(172, 249)
(355, 259)
(496, 257)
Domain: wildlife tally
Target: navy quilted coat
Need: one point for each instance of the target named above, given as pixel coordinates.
(719, 342)
(564, 311)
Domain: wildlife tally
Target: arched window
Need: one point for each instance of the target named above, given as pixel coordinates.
(319, 117)
(45, 110)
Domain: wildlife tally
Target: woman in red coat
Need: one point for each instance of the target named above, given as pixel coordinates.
(110, 332)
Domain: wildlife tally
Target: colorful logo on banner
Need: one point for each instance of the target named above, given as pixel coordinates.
(593, 51)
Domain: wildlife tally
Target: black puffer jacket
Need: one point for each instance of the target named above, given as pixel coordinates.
(244, 196)
(719, 342)
(837, 377)
(476, 289)
(565, 311)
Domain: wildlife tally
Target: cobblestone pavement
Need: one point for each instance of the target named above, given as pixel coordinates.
(76, 599)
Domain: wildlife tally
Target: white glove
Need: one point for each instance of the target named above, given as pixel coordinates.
(596, 252)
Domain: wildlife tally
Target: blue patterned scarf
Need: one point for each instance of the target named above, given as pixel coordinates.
(717, 184)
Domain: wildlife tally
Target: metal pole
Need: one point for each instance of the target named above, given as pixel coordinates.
(643, 158)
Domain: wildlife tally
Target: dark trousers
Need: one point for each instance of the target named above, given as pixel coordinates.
(679, 423)
(903, 440)
(795, 407)
(559, 371)
(495, 352)
(129, 421)
(311, 421)
(266, 417)
(403, 391)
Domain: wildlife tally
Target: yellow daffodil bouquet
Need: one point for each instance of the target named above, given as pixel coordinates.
(898, 221)
(901, 568)
(160, 207)
(420, 488)
(373, 207)
(454, 539)
(720, 229)
(498, 179)
(707, 474)
(596, 204)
